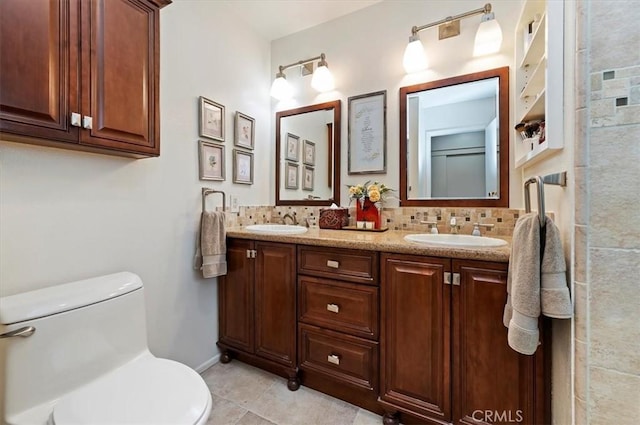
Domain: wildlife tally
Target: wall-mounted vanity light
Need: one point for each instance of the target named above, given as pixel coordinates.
(322, 79)
(488, 37)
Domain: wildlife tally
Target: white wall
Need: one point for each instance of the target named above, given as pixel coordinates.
(364, 52)
(68, 215)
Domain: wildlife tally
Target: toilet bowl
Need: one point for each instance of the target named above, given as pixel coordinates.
(77, 354)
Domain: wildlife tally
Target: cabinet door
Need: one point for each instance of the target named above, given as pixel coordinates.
(120, 47)
(415, 338)
(275, 302)
(235, 293)
(491, 382)
(39, 68)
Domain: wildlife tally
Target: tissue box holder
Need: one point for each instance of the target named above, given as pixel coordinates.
(333, 218)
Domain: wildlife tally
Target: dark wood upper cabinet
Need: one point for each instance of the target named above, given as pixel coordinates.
(81, 74)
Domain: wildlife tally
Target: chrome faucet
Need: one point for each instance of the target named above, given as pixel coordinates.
(292, 217)
(454, 226)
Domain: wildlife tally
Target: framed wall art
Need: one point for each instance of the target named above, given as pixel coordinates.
(211, 161)
(291, 175)
(309, 152)
(367, 143)
(292, 147)
(244, 131)
(307, 179)
(242, 167)
(211, 119)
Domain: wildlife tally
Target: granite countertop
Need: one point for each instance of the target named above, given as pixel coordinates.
(389, 241)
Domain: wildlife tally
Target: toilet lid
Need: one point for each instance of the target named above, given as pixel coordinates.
(146, 391)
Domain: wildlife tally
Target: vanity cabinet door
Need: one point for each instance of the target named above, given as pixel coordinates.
(491, 382)
(275, 302)
(415, 339)
(235, 297)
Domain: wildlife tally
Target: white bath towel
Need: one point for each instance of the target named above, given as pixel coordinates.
(536, 282)
(211, 247)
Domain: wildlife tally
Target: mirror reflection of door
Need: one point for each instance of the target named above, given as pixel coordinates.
(456, 141)
(455, 138)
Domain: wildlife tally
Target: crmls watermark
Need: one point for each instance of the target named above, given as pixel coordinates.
(492, 416)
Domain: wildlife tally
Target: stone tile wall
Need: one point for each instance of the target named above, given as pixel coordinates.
(607, 221)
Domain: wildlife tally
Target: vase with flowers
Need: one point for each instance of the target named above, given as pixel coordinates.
(369, 197)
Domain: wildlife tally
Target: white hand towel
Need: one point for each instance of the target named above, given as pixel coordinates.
(211, 247)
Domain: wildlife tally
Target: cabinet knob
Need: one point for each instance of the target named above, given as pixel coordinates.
(75, 119)
(333, 358)
(335, 308)
(333, 264)
(87, 122)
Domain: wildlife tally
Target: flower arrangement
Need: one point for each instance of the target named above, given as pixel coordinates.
(374, 191)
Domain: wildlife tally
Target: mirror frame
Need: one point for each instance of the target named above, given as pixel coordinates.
(335, 104)
(503, 115)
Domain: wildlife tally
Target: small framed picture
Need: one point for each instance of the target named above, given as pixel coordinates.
(291, 152)
(245, 131)
(307, 179)
(242, 167)
(211, 160)
(291, 175)
(309, 152)
(211, 119)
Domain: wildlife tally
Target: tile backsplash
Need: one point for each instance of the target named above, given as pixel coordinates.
(399, 218)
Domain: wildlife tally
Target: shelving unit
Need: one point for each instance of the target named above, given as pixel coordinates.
(539, 78)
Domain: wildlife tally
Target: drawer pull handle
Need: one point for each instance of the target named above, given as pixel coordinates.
(333, 264)
(333, 358)
(335, 308)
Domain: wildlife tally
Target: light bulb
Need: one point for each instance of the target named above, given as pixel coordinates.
(414, 57)
(489, 36)
(281, 89)
(322, 79)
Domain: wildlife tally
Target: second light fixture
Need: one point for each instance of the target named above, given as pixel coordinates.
(488, 38)
(322, 79)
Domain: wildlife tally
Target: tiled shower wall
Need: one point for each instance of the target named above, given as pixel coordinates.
(407, 218)
(607, 218)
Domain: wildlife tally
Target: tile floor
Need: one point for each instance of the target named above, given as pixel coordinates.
(244, 395)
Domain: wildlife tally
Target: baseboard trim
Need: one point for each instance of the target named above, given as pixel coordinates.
(206, 365)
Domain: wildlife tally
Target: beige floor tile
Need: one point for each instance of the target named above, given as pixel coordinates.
(252, 419)
(238, 382)
(302, 407)
(225, 412)
(364, 417)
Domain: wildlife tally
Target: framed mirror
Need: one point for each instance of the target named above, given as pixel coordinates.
(308, 155)
(454, 135)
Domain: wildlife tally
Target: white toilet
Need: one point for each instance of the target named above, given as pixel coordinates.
(77, 354)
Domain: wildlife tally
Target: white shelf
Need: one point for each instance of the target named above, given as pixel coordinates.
(536, 110)
(536, 48)
(536, 83)
(539, 152)
(539, 75)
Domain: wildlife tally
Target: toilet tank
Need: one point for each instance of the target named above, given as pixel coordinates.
(83, 330)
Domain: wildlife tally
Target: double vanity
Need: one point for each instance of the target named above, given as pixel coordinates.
(410, 330)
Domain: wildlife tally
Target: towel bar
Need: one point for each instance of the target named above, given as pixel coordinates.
(208, 191)
(557, 179)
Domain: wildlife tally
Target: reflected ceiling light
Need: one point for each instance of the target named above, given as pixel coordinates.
(488, 38)
(322, 79)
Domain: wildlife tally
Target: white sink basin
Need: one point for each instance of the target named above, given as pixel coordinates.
(277, 229)
(466, 241)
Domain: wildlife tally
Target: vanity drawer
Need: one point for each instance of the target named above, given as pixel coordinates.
(340, 357)
(346, 264)
(340, 306)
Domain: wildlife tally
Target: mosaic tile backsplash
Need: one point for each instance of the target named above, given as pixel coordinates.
(400, 218)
